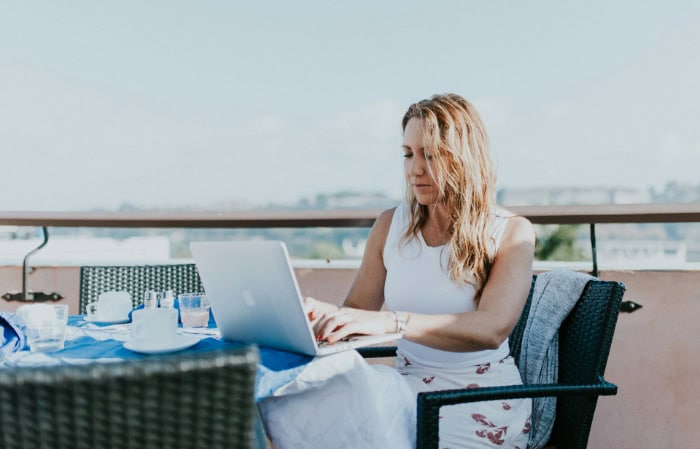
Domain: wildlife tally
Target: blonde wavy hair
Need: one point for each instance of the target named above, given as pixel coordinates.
(454, 135)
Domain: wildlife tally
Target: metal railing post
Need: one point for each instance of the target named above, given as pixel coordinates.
(594, 252)
(25, 295)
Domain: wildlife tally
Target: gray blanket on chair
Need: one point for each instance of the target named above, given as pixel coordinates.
(555, 294)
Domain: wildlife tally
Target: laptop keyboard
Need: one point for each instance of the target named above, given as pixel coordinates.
(324, 343)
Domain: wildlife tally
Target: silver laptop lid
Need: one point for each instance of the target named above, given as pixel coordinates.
(254, 294)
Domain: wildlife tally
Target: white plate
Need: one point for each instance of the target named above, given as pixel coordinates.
(178, 343)
(96, 321)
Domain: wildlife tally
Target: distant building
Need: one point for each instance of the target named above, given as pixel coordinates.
(546, 196)
(87, 250)
(675, 192)
(354, 249)
(17, 232)
(642, 253)
(350, 200)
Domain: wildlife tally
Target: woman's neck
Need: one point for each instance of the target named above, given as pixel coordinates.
(437, 226)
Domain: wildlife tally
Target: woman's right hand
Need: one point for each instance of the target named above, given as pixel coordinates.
(315, 309)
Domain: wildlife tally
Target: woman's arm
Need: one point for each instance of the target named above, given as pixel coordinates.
(366, 292)
(500, 307)
(501, 304)
(367, 289)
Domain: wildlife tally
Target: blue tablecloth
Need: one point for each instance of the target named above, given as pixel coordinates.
(276, 368)
(11, 333)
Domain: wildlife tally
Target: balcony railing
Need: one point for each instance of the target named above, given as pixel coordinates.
(612, 213)
(567, 215)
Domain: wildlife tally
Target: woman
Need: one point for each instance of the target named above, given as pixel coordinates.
(452, 270)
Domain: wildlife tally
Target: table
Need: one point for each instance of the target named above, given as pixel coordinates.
(92, 343)
(280, 374)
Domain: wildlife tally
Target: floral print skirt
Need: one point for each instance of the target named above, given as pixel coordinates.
(489, 424)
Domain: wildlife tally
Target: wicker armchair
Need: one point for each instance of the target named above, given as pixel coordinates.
(202, 400)
(136, 279)
(584, 345)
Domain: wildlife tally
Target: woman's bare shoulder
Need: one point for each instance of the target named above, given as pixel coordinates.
(380, 230)
(384, 218)
(381, 226)
(519, 229)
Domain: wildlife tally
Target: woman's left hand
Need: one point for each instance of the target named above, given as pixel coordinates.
(347, 321)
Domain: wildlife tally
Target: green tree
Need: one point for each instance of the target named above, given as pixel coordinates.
(559, 243)
(324, 250)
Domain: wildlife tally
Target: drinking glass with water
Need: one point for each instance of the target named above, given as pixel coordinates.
(194, 309)
(45, 326)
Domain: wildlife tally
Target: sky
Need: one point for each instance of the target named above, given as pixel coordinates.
(201, 104)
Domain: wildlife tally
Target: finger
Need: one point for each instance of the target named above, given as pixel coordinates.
(321, 325)
(330, 323)
(318, 324)
(311, 308)
(342, 332)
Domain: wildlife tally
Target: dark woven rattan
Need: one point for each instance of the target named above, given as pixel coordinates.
(136, 279)
(584, 345)
(202, 400)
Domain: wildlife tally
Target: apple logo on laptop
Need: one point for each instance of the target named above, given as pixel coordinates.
(248, 298)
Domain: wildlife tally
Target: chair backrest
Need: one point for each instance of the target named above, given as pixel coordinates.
(203, 400)
(585, 338)
(136, 279)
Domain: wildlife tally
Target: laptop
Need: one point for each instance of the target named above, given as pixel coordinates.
(255, 297)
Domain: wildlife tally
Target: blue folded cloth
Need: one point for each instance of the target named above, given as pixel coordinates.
(176, 304)
(276, 368)
(12, 336)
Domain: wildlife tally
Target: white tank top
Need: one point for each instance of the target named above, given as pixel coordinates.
(417, 281)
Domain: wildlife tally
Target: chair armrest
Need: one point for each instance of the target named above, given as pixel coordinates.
(429, 403)
(377, 351)
(450, 397)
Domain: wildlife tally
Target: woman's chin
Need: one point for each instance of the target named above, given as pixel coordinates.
(426, 200)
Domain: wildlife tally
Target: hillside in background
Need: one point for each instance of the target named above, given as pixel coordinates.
(653, 243)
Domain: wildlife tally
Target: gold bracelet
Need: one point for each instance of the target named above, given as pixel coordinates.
(399, 323)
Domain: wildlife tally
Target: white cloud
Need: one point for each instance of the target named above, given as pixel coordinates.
(635, 127)
(74, 146)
